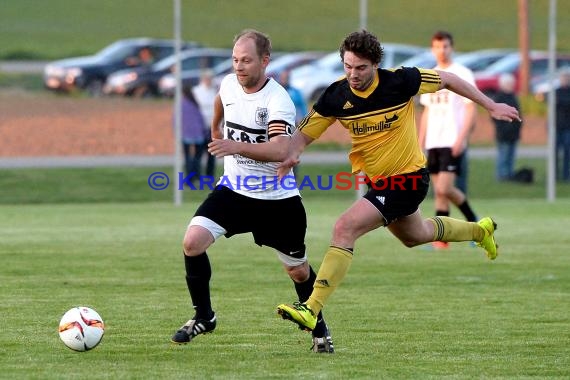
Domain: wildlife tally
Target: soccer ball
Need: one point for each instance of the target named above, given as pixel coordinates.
(81, 328)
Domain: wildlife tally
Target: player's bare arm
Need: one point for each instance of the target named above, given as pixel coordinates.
(274, 150)
(216, 127)
(296, 146)
(499, 111)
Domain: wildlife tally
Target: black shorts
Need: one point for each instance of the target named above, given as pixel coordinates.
(398, 195)
(441, 160)
(279, 223)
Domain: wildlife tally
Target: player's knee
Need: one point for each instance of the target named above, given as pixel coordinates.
(419, 236)
(191, 246)
(196, 240)
(299, 273)
(410, 243)
(342, 229)
(442, 192)
(188, 246)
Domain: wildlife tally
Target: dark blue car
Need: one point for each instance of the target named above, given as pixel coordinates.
(144, 80)
(90, 72)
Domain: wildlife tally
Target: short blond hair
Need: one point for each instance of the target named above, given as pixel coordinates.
(262, 41)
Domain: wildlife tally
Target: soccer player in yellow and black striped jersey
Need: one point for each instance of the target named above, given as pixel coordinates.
(376, 107)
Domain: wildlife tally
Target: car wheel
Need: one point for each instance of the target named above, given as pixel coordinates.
(95, 87)
(141, 92)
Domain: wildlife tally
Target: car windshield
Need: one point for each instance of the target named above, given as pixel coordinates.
(223, 67)
(425, 60)
(188, 59)
(117, 51)
(477, 61)
(165, 63)
(282, 62)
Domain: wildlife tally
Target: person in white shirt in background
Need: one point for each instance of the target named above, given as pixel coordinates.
(445, 127)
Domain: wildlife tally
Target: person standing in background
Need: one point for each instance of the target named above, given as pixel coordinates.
(443, 59)
(205, 93)
(507, 134)
(298, 100)
(445, 127)
(563, 127)
(295, 95)
(193, 134)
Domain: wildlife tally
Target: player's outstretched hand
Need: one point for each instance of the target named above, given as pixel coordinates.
(285, 167)
(502, 111)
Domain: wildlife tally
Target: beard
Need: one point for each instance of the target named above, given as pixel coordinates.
(362, 83)
(249, 81)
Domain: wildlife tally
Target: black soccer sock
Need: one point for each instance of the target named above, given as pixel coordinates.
(198, 273)
(441, 213)
(467, 211)
(304, 290)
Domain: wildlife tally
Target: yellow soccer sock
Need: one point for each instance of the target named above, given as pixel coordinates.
(332, 271)
(449, 229)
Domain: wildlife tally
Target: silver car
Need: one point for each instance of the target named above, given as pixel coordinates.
(314, 78)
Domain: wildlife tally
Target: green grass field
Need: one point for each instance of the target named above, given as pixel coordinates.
(401, 313)
(101, 185)
(102, 238)
(57, 28)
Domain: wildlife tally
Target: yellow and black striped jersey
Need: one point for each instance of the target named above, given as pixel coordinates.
(380, 120)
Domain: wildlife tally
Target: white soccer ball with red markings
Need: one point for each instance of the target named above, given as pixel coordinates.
(81, 328)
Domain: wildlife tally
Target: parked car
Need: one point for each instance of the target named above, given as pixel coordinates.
(290, 61)
(220, 74)
(480, 60)
(279, 61)
(424, 60)
(477, 60)
(488, 80)
(167, 84)
(540, 86)
(143, 80)
(90, 72)
(313, 78)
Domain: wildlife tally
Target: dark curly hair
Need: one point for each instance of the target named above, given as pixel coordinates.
(442, 35)
(364, 44)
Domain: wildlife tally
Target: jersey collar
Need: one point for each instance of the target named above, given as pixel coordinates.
(370, 89)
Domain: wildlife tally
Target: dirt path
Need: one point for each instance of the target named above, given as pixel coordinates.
(45, 124)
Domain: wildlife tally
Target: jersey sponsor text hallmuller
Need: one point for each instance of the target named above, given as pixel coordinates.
(360, 129)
